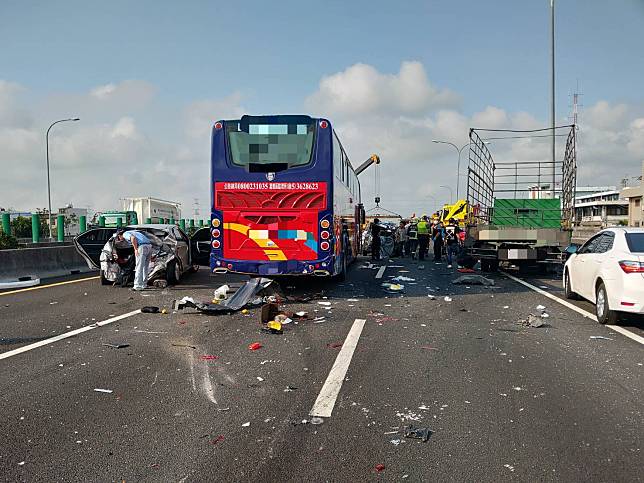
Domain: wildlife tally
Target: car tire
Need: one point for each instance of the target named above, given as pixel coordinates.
(104, 281)
(604, 314)
(173, 272)
(568, 293)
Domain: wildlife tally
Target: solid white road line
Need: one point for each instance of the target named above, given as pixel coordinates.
(381, 271)
(325, 402)
(72, 333)
(585, 313)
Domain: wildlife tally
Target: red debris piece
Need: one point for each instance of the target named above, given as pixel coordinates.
(466, 270)
(254, 346)
(334, 345)
(218, 439)
(183, 322)
(208, 357)
(380, 467)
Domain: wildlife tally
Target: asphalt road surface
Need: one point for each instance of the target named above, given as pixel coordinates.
(187, 400)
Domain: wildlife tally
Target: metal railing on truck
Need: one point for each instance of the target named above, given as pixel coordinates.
(520, 193)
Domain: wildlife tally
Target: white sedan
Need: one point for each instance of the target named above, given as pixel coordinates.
(608, 270)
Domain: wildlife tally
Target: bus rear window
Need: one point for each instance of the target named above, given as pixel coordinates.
(270, 147)
(635, 242)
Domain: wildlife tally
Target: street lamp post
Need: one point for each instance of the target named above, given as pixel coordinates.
(451, 192)
(458, 165)
(48, 181)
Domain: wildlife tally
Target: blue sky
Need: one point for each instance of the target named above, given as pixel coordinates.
(271, 56)
(491, 52)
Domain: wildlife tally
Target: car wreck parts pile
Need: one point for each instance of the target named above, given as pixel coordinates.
(255, 292)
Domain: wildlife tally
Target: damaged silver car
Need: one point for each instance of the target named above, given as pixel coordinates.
(173, 253)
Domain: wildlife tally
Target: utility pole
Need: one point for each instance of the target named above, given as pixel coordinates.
(552, 104)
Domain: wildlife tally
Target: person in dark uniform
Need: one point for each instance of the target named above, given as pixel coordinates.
(375, 239)
(452, 240)
(438, 236)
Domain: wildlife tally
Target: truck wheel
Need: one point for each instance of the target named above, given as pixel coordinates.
(485, 265)
(494, 266)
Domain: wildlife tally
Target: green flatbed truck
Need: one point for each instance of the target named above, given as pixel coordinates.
(517, 219)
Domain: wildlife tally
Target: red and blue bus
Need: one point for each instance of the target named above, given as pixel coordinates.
(285, 198)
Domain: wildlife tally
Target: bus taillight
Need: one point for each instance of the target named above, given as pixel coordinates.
(215, 233)
(324, 235)
(324, 124)
(325, 224)
(218, 125)
(324, 245)
(216, 244)
(216, 222)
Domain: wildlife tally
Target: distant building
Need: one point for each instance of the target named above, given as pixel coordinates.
(538, 192)
(634, 197)
(73, 215)
(604, 208)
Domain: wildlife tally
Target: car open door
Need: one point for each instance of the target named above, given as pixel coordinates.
(90, 244)
(200, 247)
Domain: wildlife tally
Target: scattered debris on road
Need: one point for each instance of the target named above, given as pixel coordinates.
(393, 287)
(209, 357)
(600, 337)
(107, 391)
(380, 467)
(255, 346)
(116, 345)
(532, 321)
(402, 278)
(447, 299)
(418, 433)
(246, 294)
(473, 280)
(150, 310)
(218, 439)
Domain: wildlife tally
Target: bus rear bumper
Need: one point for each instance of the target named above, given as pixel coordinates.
(322, 267)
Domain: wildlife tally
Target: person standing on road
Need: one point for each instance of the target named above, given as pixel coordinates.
(142, 252)
(401, 238)
(438, 236)
(412, 237)
(423, 237)
(375, 239)
(452, 240)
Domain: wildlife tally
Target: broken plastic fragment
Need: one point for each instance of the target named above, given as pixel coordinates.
(418, 433)
(108, 391)
(317, 420)
(447, 299)
(209, 357)
(245, 425)
(541, 307)
(600, 337)
(254, 346)
(380, 467)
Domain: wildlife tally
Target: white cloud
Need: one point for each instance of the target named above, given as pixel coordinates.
(126, 145)
(362, 90)
(397, 116)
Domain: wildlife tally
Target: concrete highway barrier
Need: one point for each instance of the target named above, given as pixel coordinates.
(41, 262)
